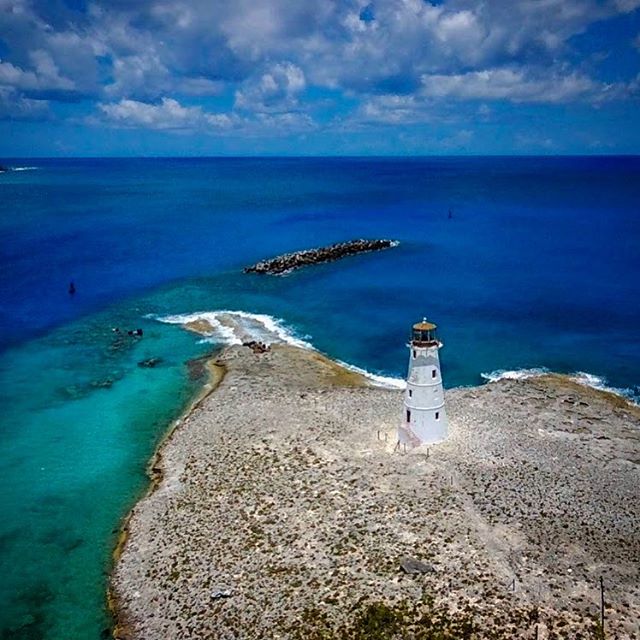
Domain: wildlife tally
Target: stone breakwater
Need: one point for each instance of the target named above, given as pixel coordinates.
(285, 510)
(291, 261)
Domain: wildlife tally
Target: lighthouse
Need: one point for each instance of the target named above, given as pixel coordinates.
(424, 419)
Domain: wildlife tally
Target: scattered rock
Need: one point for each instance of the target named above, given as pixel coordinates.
(256, 347)
(149, 363)
(107, 383)
(411, 565)
(291, 261)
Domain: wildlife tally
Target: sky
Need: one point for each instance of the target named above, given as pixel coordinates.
(318, 77)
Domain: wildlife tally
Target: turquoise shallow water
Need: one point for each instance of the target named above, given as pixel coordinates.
(537, 268)
(74, 443)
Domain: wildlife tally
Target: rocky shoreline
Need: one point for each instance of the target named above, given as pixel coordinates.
(292, 261)
(283, 509)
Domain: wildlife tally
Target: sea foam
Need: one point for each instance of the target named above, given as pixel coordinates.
(513, 374)
(581, 377)
(263, 328)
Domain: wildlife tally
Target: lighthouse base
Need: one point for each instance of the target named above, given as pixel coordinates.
(416, 435)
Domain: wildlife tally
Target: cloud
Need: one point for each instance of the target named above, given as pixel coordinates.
(388, 60)
(141, 76)
(411, 38)
(14, 106)
(167, 115)
(44, 77)
(152, 47)
(515, 85)
(627, 6)
(393, 110)
(276, 89)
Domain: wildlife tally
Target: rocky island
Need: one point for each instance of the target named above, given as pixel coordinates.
(283, 508)
(291, 261)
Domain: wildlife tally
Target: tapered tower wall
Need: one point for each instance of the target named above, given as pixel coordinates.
(425, 417)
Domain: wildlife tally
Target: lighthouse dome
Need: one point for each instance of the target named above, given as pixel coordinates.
(424, 334)
(424, 326)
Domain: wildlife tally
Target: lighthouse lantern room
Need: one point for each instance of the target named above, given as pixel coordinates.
(425, 419)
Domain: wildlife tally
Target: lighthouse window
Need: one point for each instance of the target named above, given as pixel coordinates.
(410, 392)
(408, 415)
(433, 373)
(415, 355)
(437, 415)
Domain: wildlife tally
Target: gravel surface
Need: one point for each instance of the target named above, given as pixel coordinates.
(283, 508)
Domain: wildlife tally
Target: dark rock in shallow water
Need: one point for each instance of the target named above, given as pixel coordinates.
(3, 169)
(107, 383)
(297, 259)
(149, 363)
(197, 367)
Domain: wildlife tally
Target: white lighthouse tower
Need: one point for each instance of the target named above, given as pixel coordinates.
(424, 419)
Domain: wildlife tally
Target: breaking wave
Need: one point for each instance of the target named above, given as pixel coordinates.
(581, 377)
(376, 378)
(227, 327)
(513, 374)
(235, 327)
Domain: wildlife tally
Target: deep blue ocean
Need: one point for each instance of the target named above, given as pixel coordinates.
(538, 266)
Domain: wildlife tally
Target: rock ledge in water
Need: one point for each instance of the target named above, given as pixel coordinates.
(297, 259)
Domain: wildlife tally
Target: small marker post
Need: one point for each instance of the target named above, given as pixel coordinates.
(602, 605)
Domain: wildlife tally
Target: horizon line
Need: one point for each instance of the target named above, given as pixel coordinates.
(322, 156)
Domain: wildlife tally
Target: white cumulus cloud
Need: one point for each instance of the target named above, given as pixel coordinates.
(513, 85)
(45, 75)
(275, 89)
(169, 114)
(384, 61)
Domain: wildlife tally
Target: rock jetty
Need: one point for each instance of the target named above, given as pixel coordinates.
(291, 261)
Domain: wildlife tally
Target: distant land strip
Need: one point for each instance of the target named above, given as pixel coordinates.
(292, 261)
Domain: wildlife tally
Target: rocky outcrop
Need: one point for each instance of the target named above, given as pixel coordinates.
(3, 169)
(282, 509)
(291, 261)
(256, 347)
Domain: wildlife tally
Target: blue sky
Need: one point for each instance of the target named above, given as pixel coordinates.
(318, 77)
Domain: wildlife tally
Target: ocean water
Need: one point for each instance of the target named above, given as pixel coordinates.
(538, 268)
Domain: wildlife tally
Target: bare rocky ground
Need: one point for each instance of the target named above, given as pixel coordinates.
(284, 510)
